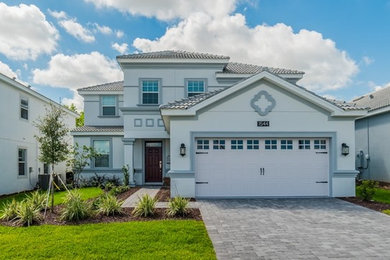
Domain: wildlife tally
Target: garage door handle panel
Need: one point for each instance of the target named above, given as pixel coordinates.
(202, 153)
(202, 182)
(321, 152)
(321, 182)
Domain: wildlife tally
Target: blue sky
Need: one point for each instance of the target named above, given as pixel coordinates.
(59, 46)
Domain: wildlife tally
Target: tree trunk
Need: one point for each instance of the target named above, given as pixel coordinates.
(52, 188)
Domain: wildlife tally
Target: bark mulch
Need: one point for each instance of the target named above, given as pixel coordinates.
(164, 194)
(53, 218)
(374, 205)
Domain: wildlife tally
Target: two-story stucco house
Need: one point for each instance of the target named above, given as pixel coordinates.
(373, 136)
(20, 107)
(219, 129)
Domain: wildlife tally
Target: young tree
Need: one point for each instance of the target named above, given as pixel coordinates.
(79, 120)
(52, 141)
(80, 158)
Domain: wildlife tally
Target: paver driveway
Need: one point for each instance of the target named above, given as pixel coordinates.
(295, 229)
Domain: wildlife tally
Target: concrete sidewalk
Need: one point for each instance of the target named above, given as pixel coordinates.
(131, 201)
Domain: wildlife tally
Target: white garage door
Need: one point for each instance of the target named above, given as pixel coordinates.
(234, 167)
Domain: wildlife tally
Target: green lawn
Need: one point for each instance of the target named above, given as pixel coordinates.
(381, 195)
(86, 193)
(165, 239)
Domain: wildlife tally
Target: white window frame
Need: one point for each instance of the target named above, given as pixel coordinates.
(319, 144)
(25, 162)
(270, 144)
(304, 144)
(219, 144)
(109, 153)
(237, 144)
(286, 144)
(141, 81)
(202, 144)
(193, 92)
(252, 144)
(24, 107)
(102, 106)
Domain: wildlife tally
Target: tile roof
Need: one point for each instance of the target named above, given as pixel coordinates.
(242, 68)
(375, 100)
(112, 86)
(98, 129)
(172, 54)
(186, 103)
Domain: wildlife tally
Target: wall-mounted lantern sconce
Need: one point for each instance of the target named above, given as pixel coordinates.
(344, 149)
(182, 149)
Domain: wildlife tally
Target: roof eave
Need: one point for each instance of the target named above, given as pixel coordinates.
(99, 92)
(172, 61)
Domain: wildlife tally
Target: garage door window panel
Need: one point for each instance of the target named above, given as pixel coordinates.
(202, 144)
(286, 144)
(252, 144)
(219, 144)
(237, 144)
(271, 144)
(304, 144)
(320, 144)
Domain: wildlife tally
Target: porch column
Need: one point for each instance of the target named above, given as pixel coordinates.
(129, 157)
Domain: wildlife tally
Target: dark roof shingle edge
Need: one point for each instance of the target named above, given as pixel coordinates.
(98, 129)
(110, 86)
(172, 54)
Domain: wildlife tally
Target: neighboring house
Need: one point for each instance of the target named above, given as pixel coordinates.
(20, 107)
(373, 136)
(219, 129)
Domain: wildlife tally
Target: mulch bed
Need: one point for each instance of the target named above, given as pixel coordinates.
(164, 194)
(378, 206)
(53, 218)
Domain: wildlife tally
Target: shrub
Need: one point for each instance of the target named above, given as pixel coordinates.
(177, 206)
(126, 175)
(145, 206)
(367, 189)
(386, 211)
(9, 210)
(113, 181)
(37, 199)
(27, 213)
(109, 205)
(75, 208)
(109, 186)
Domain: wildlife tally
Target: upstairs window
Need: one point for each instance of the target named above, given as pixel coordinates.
(24, 108)
(150, 92)
(195, 87)
(103, 148)
(22, 163)
(108, 105)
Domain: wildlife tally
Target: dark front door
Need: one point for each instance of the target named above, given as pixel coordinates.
(153, 162)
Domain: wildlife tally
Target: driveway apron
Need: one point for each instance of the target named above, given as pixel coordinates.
(295, 229)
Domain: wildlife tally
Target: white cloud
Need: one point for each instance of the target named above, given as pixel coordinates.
(119, 34)
(103, 29)
(77, 100)
(58, 15)
(367, 60)
(6, 70)
(77, 71)
(25, 32)
(75, 29)
(168, 9)
(326, 66)
(121, 48)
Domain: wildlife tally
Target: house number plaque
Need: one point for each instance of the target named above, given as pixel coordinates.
(262, 123)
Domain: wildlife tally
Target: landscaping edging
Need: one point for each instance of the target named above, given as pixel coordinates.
(374, 205)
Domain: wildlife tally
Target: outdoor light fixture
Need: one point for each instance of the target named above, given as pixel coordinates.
(344, 149)
(182, 149)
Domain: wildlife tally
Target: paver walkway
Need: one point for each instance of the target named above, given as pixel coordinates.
(295, 229)
(133, 199)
